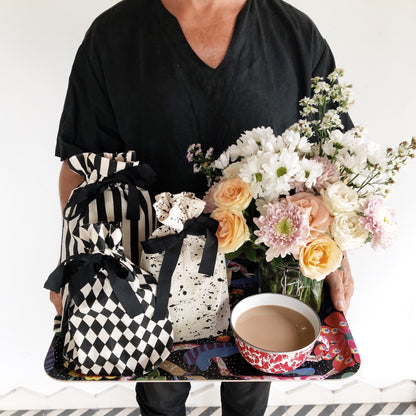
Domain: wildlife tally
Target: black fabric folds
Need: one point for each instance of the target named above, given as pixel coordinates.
(82, 269)
(136, 84)
(135, 176)
(172, 244)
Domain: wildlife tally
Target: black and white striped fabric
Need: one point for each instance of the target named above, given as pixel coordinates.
(109, 316)
(114, 189)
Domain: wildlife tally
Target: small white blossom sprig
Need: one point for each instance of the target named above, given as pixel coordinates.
(363, 164)
(321, 112)
(203, 162)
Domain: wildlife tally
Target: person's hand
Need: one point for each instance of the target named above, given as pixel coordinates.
(341, 285)
(56, 299)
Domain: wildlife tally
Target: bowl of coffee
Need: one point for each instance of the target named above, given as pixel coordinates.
(274, 333)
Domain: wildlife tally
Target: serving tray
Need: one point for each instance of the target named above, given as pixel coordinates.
(335, 356)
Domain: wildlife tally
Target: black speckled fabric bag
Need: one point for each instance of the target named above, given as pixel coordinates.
(185, 248)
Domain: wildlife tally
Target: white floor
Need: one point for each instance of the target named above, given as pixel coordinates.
(205, 394)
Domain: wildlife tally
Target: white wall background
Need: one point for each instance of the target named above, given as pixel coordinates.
(373, 40)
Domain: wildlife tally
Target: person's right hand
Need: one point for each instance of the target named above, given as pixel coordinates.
(56, 299)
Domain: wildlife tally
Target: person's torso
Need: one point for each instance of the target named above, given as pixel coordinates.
(165, 97)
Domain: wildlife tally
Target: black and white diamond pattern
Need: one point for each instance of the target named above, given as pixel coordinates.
(101, 338)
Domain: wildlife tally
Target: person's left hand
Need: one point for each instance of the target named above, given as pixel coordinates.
(341, 285)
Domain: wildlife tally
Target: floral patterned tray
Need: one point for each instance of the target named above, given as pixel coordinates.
(218, 358)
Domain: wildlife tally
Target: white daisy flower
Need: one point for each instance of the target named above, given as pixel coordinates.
(223, 161)
(252, 172)
(280, 172)
(309, 172)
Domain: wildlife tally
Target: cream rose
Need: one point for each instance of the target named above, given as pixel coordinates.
(232, 230)
(233, 194)
(319, 217)
(233, 171)
(339, 197)
(319, 257)
(347, 231)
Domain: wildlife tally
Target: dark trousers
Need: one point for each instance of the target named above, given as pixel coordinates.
(242, 398)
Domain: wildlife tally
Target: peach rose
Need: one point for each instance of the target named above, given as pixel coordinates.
(319, 216)
(232, 229)
(233, 194)
(319, 257)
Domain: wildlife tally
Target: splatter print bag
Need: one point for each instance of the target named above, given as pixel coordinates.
(185, 248)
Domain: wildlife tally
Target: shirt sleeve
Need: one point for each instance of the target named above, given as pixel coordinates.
(324, 66)
(88, 122)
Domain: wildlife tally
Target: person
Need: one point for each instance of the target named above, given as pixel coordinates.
(155, 76)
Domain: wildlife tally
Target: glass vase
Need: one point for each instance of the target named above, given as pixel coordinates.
(287, 279)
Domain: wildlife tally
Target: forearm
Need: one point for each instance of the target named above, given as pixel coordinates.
(68, 181)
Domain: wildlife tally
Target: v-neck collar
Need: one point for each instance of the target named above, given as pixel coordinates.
(235, 41)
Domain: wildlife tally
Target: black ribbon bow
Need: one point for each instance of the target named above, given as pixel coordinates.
(79, 270)
(135, 176)
(172, 245)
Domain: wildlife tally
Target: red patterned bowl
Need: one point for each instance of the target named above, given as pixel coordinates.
(274, 362)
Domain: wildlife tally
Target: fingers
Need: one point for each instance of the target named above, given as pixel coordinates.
(348, 281)
(56, 299)
(341, 285)
(336, 286)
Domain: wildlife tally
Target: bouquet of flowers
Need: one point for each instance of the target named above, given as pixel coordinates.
(294, 202)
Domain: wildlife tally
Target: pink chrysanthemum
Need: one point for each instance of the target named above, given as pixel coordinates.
(379, 220)
(284, 228)
(329, 174)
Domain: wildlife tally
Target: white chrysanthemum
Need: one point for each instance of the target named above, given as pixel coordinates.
(244, 148)
(294, 142)
(252, 172)
(338, 141)
(223, 161)
(309, 172)
(329, 147)
(251, 142)
(347, 231)
(280, 171)
(353, 162)
(376, 155)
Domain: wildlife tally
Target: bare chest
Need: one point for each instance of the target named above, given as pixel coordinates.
(209, 42)
(208, 33)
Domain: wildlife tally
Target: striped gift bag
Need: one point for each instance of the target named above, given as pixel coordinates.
(114, 190)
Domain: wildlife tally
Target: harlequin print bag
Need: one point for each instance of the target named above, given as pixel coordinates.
(114, 189)
(184, 247)
(112, 323)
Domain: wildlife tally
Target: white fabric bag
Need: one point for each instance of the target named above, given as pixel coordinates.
(185, 247)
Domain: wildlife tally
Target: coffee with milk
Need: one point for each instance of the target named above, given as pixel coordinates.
(275, 328)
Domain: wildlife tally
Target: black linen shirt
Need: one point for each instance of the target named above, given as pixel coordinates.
(136, 84)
